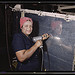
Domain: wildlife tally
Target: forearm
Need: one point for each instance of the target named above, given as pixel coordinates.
(28, 53)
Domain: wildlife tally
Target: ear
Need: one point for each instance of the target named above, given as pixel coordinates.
(22, 27)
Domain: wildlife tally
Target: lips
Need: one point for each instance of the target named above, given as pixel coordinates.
(28, 31)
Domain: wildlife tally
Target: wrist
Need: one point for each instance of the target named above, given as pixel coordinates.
(36, 45)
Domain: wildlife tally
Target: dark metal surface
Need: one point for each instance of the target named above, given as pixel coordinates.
(56, 57)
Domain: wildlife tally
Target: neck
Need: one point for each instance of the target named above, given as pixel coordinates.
(25, 34)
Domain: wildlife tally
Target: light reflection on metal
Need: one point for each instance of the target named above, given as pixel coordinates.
(57, 38)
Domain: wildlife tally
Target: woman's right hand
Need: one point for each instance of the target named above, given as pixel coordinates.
(39, 43)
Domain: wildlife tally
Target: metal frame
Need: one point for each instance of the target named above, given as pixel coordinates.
(43, 13)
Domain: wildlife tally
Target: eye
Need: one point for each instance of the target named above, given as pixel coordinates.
(29, 20)
(31, 26)
(26, 26)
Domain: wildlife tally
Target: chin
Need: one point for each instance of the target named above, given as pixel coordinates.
(28, 33)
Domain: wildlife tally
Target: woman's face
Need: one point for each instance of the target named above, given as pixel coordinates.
(27, 28)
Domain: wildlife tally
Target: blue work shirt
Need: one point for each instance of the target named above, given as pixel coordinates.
(21, 41)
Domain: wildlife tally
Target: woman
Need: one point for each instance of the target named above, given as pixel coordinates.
(26, 51)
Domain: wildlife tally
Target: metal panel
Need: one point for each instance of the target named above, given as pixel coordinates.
(56, 56)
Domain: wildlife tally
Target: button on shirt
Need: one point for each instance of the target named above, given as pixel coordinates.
(21, 41)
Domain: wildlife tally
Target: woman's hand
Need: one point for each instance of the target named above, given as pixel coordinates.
(39, 43)
(45, 36)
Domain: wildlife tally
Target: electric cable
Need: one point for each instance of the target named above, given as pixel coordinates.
(41, 47)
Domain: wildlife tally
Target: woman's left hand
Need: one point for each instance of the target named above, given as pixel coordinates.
(45, 36)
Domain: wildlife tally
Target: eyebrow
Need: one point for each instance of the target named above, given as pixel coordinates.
(28, 20)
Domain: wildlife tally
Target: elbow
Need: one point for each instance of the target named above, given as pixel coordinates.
(21, 59)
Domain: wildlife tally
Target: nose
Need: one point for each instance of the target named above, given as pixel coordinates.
(29, 27)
